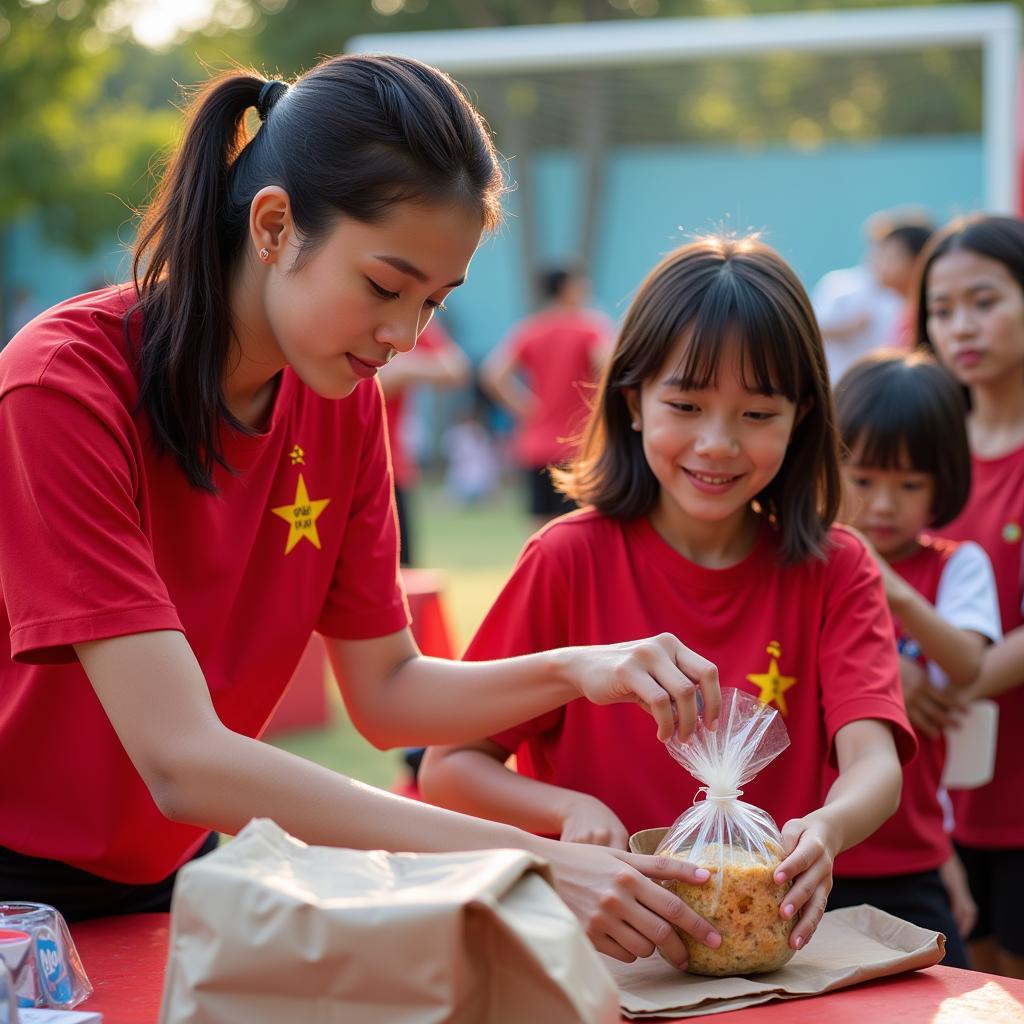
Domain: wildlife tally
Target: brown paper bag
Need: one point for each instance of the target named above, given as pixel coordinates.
(267, 929)
(850, 946)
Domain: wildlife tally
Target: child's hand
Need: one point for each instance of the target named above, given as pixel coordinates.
(930, 710)
(624, 914)
(660, 674)
(586, 819)
(810, 848)
(961, 902)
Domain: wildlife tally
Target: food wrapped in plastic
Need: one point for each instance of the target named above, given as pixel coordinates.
(738, 843)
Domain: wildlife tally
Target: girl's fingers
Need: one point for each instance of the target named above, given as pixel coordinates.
(658, 703)
(811, 917)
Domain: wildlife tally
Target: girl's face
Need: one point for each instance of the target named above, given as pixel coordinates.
(891, 507)
(712, 450)
(975, 312)
(366, 293)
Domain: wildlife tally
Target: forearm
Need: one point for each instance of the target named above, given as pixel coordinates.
(474, 782)
(1002, 667)
(432, 701)
(861, 799)
(227, 779)
(957, 652)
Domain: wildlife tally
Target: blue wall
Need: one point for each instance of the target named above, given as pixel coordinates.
(810, 206)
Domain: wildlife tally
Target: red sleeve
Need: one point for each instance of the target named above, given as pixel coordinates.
(859, 665)
(366, 598)
(529, 615)
(75, 562)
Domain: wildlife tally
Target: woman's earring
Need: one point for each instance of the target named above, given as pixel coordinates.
(635, 424)
(264, 254)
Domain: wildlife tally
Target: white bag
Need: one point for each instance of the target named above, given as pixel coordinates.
(268, 930)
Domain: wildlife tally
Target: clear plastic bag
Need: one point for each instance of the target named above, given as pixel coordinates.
(738, 843)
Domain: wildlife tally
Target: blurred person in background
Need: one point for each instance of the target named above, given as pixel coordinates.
(894, 261)
(863, 308)
(436, 362)
(473, 464)
(541, 373)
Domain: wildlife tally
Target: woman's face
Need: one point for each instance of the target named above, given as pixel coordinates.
(975, 310)
(366, 292)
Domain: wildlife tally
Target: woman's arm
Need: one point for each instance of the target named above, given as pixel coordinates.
(397, 698)
(865, 794)
(200, 772)
(472, 778)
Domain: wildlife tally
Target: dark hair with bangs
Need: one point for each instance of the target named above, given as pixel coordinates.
(717, 289)
(892, 404)
(352, 137)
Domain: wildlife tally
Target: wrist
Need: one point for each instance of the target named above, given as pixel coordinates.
(829, 830)
(561, 667)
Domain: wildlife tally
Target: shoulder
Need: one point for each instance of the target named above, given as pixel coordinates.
(574, 538)
(846, 556)
(78, 347)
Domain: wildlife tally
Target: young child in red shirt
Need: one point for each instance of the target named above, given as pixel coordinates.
(971, 313)
(710, 467)
(907, 469)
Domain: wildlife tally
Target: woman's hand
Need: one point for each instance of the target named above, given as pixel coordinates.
(585, 819)
(810, 848)
(660, 674)
(625, 914)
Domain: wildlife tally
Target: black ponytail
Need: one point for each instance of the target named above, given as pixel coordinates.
(352, 137)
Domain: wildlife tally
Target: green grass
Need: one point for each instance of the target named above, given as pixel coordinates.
(475, 548)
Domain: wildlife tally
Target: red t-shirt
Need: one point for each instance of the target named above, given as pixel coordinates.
(403, 468)
(100, 536)
(914, 838)
(992, 816)
(555, 351)
(814, 639)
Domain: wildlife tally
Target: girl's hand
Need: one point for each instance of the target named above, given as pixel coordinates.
(624, 914)
(586, 819)
(660, 674)
(961, 902)
(810, 849)
(930, 710)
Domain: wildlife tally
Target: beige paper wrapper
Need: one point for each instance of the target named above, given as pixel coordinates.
(850, 946)
(268, 930)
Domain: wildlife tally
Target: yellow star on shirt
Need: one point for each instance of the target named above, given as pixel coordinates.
(773, 685)
(301, 517)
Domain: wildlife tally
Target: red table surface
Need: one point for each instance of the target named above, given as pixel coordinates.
(125, 959)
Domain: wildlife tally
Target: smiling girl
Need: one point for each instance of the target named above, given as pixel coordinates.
(711, 467)
(971, 314)
(196, 477)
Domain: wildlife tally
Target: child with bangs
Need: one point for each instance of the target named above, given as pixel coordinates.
(710, 478)
(907, 470)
